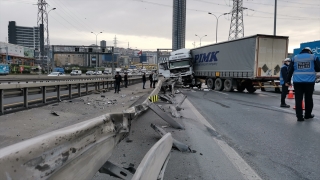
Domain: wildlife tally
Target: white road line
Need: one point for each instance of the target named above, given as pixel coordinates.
(246, 171)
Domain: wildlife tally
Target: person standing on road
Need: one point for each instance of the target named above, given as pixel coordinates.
(303, 67)
(125, 79)
(117, 81)
(154, 79)
(283, 77)
(144, 79)
(150, 79)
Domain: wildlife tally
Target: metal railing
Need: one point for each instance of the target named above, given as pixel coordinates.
(25, 90)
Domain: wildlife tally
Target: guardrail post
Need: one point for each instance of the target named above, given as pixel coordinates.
(70, 91)
(1, 101)
(107, 84)
(58, 92)
(44, 99)
(86, 88)
(102, 84)
(25, 97)
(98, 85)
(79, 90)
(95, 86)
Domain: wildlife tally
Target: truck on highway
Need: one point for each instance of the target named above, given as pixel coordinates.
(247, 63)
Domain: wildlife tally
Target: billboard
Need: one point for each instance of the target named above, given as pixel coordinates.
(13, 50)
(28, 52)
(315, 47)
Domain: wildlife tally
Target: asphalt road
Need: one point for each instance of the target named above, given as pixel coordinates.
(267, 137)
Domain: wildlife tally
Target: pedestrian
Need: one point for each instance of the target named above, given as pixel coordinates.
(117, 81)
(283, 77)
(125, 79)
(151, 79)
(144, 79)
(303, 67)
(154, 79)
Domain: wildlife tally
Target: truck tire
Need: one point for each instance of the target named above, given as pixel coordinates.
(210, 83)
(228, 85)
(193, 81)
(219, 86)
(277, 90)
(250, 88)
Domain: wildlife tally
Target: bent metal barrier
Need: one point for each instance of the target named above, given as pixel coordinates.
(26, 89)
(80, 150)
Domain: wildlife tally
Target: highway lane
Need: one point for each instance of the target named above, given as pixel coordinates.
(268, 137)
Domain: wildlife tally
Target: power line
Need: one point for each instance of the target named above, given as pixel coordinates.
(281, 6)
(299, 3)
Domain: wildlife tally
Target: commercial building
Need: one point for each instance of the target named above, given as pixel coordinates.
(23, 36)
(179, 24)
(16, 54)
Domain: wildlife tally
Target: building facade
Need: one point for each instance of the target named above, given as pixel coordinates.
(15, 54)
(23, 36)
(179, 24)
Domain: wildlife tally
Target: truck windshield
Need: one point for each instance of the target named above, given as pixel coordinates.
(179, 64)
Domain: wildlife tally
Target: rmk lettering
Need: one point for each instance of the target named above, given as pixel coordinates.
(206, 57)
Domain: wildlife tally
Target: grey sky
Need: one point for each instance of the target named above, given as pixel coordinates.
(147, 24)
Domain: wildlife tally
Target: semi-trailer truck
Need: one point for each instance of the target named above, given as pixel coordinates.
(247, 63)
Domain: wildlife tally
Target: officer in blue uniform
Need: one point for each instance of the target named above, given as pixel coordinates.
(303, 67)
(283, 77)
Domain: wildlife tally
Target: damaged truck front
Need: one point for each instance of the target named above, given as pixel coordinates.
(181, 65)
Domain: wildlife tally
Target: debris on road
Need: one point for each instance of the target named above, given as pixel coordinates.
(103, 96)
(55, 113)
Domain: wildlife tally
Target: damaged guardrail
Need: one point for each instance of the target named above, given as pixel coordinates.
(82, 148)
(25, 90)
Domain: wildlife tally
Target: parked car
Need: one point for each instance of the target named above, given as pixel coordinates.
(76, 73)
(89, 73)
(56, 74)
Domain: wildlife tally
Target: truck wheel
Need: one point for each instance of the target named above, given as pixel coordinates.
(218, 84)
(250, 89)
(210, 83)
(277, 90)
(193, 82)
(228, 85)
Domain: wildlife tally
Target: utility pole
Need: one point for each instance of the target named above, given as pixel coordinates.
(42, 23)
(275, 18)
(48, 43)
(236, 26)
(96, 34)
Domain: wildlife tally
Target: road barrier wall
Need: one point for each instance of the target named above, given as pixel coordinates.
(80, 150)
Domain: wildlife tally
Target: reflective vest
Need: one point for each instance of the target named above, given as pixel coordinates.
(281, 77)
(304, 68)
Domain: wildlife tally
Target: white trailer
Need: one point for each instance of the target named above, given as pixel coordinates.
(246, 63)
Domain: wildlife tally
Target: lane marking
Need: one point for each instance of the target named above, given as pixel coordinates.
(240, 164)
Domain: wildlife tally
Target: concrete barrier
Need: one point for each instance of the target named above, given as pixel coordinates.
(80, 150)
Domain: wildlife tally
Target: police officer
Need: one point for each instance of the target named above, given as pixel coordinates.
(303, 67)
(283, 77)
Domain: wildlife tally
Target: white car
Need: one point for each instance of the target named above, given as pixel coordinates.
(56, 74)
(99, 73)
(76, 73)
(89, 72)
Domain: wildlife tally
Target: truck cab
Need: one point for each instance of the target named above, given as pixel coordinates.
(180, 65)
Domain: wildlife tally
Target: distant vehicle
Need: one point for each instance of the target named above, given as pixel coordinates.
(4, 69)
(89, 73)
(98, 73)
(58, 69)
(106, 72)
(76, 73)
(56, 74)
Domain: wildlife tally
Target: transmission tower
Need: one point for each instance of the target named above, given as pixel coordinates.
(42, 23)
(236, 27)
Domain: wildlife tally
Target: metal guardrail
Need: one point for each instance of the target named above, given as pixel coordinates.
(15, 90)
(80, 150)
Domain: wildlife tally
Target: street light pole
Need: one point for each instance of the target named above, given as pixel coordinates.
(275, 18)
(97, 46)
(201, 38)
(48, 41)
(217, 23)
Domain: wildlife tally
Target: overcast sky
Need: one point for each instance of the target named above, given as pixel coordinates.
(147, 24)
